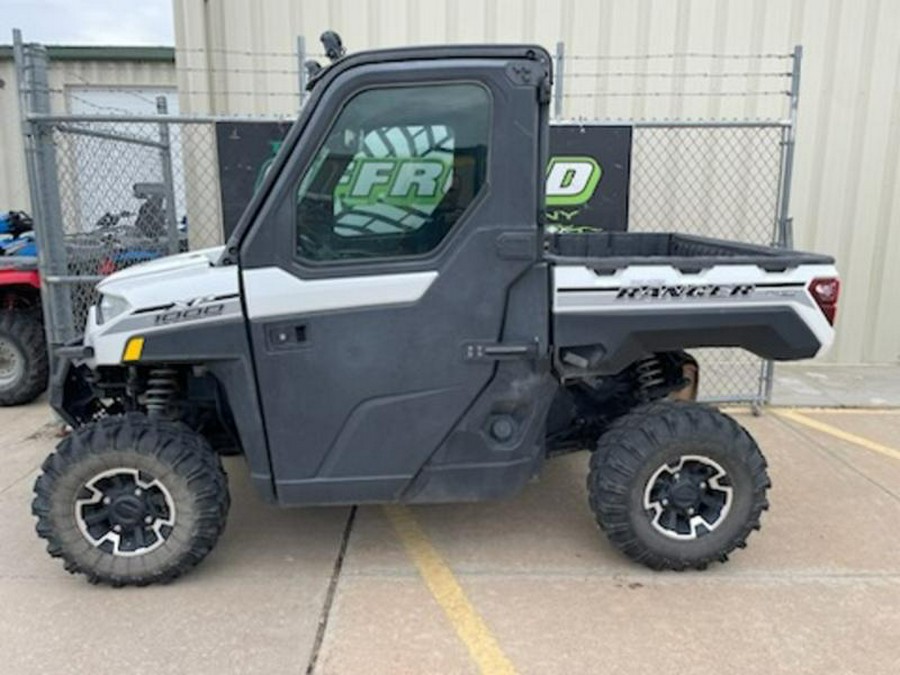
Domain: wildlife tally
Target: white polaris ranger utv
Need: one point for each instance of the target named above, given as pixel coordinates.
(398, 327)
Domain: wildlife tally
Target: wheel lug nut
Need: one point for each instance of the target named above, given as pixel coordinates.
(677, 476)
(137, 492)
(691, 511)
(665, 502)
(703, 485)
(117, 528)
(148, 519)
(107, 500)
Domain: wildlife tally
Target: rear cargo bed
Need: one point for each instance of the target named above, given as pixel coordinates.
(619, 296)
(610, 251)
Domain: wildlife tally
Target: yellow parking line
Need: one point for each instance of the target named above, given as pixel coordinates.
(847, 411)
(469, 625)
(813, 410)
(838, 433)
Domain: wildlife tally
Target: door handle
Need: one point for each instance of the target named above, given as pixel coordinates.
(285, 336)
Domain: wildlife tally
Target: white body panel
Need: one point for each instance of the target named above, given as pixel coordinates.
(577, 289)
(139, 283)
(270, 291)
(174, 280)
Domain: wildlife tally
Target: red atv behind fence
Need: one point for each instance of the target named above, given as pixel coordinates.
(109, 246)
(24, 364)
(23, 349)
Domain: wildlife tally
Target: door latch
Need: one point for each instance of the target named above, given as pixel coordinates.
(500, 351)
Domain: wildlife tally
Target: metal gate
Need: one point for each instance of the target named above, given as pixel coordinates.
(109, 191)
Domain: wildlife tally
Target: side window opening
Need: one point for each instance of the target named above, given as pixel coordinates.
(397, 171)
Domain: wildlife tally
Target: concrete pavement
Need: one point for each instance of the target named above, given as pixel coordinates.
(817, 590)
(809, 383)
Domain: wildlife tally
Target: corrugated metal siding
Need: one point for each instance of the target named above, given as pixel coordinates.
(848, 146)
(62, 75)
(13, 185)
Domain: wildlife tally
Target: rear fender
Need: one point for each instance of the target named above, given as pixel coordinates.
(616, 339)
(14, 277)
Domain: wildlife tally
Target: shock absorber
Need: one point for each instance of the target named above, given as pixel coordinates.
(162, 390)
(650, 374)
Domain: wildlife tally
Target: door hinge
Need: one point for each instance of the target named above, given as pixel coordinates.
(545, 89)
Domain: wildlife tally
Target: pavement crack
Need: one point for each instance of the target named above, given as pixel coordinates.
(18, 480)
(329, 595)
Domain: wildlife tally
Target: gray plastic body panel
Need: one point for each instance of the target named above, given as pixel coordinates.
(223, 348)
(372, 400)
(620, 338)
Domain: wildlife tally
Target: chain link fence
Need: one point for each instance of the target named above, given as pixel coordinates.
(718, 164)
(720, 181)
(127, 189)
(131, 191)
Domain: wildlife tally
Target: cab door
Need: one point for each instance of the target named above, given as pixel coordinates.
(381, 261)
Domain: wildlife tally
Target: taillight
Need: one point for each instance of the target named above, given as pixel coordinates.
(825, 292)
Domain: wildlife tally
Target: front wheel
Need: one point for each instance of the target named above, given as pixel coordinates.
(677, 485)
(131, 501)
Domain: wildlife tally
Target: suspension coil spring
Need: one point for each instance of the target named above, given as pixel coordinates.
(650, 374)
(162, 389)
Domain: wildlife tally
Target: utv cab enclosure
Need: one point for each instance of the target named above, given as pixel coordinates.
(389, 322)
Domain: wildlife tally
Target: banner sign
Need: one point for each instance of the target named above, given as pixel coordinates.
(587, 177)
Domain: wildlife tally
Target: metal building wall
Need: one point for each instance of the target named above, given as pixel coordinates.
(846, 178)
(107, 73)
(13, 185)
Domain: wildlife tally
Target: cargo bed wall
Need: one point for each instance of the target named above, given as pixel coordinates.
(617, 250)
(643, 308)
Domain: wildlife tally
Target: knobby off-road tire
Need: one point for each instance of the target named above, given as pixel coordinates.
(131, 501)
(24, 366)
(677, 485)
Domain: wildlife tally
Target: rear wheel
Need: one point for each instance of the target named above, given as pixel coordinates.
(24, 366)
(677, 485)
(131, 501)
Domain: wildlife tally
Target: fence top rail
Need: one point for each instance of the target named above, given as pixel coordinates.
(157, 119)
(660, 124)
(585, 121)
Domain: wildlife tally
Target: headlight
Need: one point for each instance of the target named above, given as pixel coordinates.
(109, 307)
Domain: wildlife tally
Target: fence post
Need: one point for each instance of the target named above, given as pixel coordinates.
(785, 222)
(19, 66)
(165, 158)
(559, 73)
(785, 234)
(301, 68)
(43, 185)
